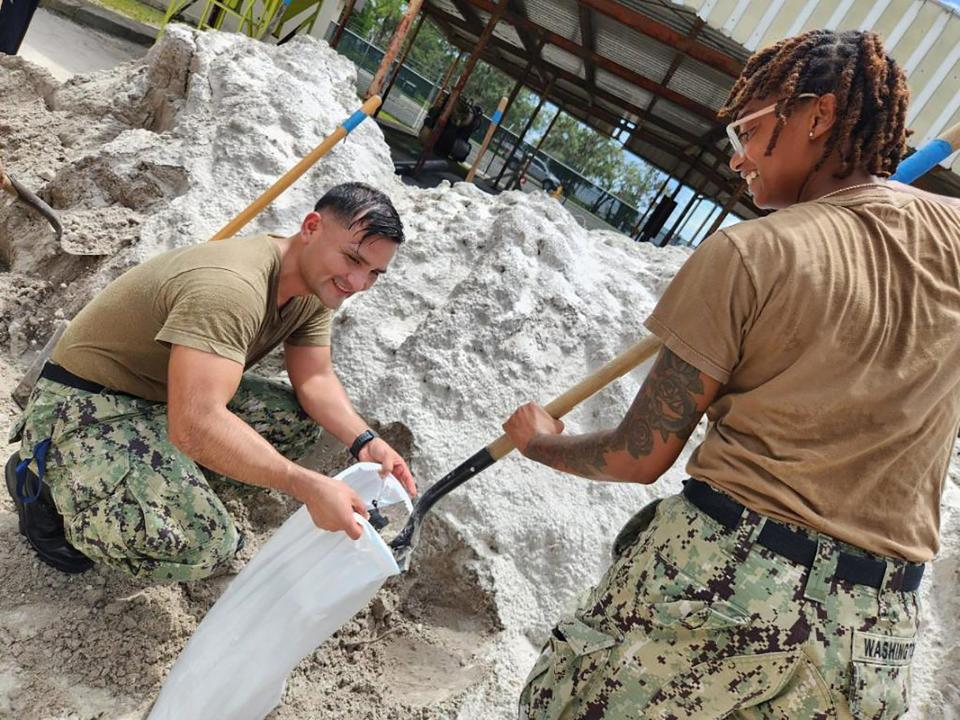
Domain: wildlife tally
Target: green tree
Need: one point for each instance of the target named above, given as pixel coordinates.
(377, 20)
(603, 161)
(431, 54)
(596, 157)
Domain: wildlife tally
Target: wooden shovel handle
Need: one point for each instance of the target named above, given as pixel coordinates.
(590, 385)
(289, 177)
(952, 136)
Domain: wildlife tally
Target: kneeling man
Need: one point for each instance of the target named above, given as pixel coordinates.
(146, 392)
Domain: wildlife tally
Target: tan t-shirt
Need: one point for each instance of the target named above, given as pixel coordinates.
(834, 327)
(219, 297)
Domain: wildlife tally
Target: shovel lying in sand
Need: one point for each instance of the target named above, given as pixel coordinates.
(11, 186)
(406, 540)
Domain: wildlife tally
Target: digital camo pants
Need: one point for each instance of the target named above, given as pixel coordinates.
(695, 621)
(132, 500)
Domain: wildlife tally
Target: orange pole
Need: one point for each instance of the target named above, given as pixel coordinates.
(494, 124)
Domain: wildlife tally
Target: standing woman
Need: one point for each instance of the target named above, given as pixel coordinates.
(821, 342)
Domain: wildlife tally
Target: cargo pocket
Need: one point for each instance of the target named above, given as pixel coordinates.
(685, 618)
(574, 656)
(634, 528)
(880, 676)
(774, 686)
(16, 430)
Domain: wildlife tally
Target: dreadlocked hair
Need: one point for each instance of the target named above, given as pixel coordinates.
(871, 91)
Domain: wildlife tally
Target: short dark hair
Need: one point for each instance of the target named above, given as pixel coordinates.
(871, 91)
(355, 203)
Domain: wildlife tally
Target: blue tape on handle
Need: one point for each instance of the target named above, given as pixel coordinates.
(496, 117)
(922, 161)
(351, 122)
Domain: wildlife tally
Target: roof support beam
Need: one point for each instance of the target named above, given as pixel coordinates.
(533, 45)
(452, 24)
(586, 37)
(458, 88)
(671, 71)
(589, 114)
(582, 108)
(667, 35)
(524, 24)
(469, 14)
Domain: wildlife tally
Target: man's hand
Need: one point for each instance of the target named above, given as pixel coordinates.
(330, 502)
(378, 451)
(527, 422)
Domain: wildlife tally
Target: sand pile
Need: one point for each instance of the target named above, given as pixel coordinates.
(492, 302)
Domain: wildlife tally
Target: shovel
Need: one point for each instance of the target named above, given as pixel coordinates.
(305, 583)
(11, 186)
(406, 540)
(25, 386)
(69, 245)
(919, 163)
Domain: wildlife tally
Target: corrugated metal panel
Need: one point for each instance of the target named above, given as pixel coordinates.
(509, 33)
(891, 16)
(569, 62)
(631, 49)
(560, 17)
(621, 88)
(933, 77)
(681, 118)
(696, 80)
(922, 35)
(613, 109)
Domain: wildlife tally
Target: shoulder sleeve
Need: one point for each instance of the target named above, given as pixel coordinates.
(315, 330)
(210, 309)
(708, 308)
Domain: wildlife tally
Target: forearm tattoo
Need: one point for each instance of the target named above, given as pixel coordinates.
(666, 406)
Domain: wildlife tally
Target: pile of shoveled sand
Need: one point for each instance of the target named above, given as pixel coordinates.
(492, 302)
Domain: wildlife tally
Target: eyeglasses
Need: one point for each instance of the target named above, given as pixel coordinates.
(732, 127)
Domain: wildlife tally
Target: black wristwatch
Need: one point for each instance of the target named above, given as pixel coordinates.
(362, 439)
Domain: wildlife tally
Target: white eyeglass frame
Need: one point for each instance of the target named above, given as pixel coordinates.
(732, 127)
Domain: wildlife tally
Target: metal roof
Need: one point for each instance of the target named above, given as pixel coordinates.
(655, 71)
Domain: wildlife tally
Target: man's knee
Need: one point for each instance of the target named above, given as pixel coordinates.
(162, 543)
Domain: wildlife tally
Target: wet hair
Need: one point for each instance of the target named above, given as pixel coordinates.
(356, 204)
(871, 91)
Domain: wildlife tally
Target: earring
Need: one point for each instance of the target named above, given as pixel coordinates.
(811, 135)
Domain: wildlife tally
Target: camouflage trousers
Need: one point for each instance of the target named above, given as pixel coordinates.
(697, 621)
(129, 498)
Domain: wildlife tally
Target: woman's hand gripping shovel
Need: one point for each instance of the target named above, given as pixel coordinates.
(404, 543)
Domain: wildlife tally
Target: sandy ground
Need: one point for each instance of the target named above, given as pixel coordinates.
(493, 301)
(65, 48)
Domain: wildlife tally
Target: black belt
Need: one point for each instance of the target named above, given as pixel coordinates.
(63, 376)
(796, 546)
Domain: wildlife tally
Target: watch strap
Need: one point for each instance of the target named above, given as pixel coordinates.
(361, 440)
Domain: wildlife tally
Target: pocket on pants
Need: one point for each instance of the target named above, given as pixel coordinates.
(569, 662)
(774, 686)
(880, 676)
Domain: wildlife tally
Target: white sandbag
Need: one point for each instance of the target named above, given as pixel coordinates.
(301, 586)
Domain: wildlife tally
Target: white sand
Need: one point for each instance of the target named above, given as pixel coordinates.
(492, 302)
